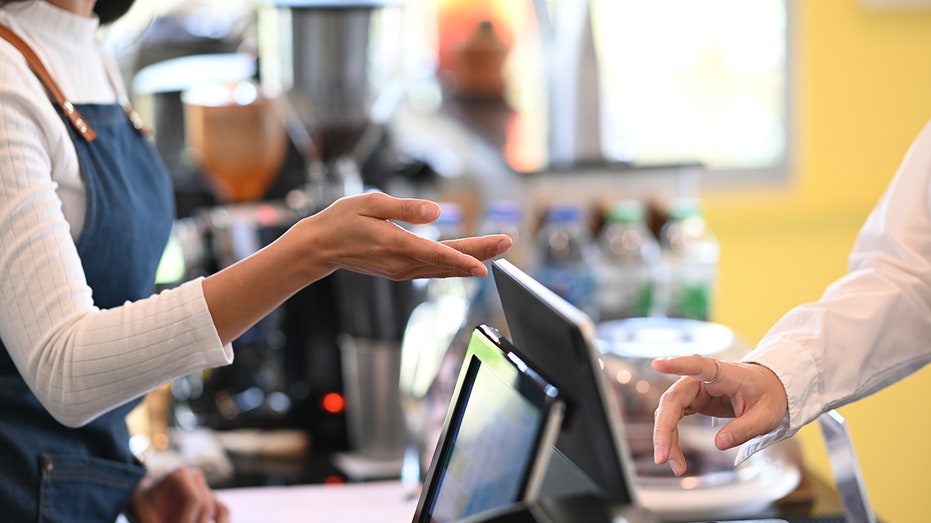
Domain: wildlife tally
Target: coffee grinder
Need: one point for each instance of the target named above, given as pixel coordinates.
(332, 63)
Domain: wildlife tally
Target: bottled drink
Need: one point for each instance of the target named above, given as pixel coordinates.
(629, 255)
(691, 254)
(566, 263)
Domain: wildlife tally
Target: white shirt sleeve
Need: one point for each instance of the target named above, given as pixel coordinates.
(79, 361)
(872, 327)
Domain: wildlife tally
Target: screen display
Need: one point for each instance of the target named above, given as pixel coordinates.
(491, 447)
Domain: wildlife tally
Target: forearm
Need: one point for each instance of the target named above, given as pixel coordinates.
(356, 233)
(870, 327)
(867, 331)
(245, 292)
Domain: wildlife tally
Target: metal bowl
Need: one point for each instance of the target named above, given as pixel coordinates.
(628, 347)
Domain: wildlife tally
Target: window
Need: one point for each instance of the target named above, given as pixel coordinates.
(696, 80)
(681, 81)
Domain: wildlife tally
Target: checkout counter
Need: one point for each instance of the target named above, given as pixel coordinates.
(813, 500)
(393, 501)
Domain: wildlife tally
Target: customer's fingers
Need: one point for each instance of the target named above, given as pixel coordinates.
(759, 402)
(673, 405)
(750, 393)
(701, 368)
(666, 448)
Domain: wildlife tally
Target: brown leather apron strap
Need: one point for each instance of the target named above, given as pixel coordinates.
(134, 119)
(38, 68)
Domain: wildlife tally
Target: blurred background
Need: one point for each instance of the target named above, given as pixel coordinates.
(784, 119)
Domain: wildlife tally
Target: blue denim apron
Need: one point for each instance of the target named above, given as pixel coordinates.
(49, 472)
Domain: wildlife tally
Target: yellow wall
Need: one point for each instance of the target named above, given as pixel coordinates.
(862, 92)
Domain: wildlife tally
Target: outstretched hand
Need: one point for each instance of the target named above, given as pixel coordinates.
(751, 394)
(181, 496)
(358, 233)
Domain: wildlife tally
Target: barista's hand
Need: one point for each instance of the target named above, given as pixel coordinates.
(182, 496)
(751, 394)
(357, 233)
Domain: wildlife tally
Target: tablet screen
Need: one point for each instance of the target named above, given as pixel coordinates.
(500, 417)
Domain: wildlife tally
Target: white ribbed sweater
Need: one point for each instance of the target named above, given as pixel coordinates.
(79, 361)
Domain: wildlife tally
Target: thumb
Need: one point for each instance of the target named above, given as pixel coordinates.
(742, 429)
(408, 210)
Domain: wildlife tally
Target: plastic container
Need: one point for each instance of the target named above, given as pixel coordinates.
(567, 257)
(690, 262)
(629, 256)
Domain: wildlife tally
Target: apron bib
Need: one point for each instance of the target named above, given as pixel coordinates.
(49, 472)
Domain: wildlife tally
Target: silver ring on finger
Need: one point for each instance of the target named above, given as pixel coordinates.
(717, 372)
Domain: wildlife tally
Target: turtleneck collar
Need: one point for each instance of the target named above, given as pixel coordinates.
(50, 23)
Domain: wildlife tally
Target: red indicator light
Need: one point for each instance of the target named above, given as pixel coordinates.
(333, 403)
(333, 480)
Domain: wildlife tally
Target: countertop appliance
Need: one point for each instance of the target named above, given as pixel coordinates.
(327, 360)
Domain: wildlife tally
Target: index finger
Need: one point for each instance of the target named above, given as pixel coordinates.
(482, 247)
(437, 259)
(671, 409)
(701, 368)
(467, 254)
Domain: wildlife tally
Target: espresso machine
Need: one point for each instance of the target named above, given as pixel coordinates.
(328, 360)
(332, 65)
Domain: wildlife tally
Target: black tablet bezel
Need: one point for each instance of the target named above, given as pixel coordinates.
(496, 354)
(558, 340)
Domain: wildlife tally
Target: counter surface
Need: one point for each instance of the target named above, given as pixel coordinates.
(383, 501)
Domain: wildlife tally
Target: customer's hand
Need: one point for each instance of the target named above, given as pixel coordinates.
(751, 394)
(182, 496)
(357, 233)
